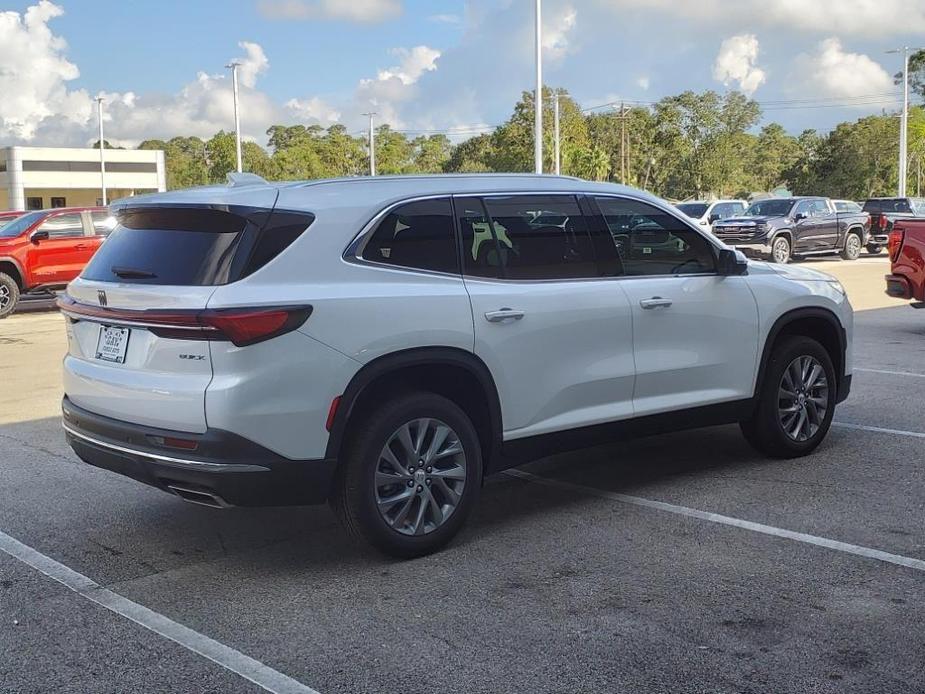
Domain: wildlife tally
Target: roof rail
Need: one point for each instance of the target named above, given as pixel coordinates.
(237, 179)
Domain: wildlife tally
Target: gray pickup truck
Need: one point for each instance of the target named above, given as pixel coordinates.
(778, 229)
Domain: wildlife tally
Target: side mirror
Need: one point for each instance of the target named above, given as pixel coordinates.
(714, 218)
(39, 235)
(731, 263)
(799, 217)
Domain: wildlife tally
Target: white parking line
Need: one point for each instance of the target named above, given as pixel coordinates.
(857, 550)
(880, 430)
(230, 659)
(891, 373)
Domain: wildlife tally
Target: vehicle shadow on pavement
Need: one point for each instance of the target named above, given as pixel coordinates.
(119, 529)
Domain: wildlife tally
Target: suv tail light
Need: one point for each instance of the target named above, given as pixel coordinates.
(894, 243)
(241, 326)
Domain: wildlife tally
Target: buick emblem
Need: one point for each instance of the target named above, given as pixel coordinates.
(101, 295)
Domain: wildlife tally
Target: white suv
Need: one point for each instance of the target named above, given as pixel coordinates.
(384, 343)
(706, 212)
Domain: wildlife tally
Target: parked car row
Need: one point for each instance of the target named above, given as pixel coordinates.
(780, 229)
(46, 249)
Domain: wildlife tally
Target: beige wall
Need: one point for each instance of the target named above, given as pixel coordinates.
(73, 197)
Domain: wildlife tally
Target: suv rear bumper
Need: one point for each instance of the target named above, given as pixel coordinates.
(224, 469)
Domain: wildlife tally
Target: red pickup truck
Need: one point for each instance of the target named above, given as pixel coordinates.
(907, 255)
(46, 249)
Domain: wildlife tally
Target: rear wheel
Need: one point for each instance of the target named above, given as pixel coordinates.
(796, 402)
(9, 295)
(410, 476)
(780, 250)
(874, 249)
(852, 249)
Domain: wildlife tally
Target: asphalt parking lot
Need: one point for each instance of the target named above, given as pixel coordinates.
(682, 563)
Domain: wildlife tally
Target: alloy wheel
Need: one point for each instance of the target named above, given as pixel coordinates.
(854, 245)
(5, 297)
(420, 476)
(803, 398)
(781, 251)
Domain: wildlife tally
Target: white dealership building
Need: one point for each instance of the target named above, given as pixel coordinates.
(35, 178)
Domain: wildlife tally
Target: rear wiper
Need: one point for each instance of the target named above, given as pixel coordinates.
(130, 273)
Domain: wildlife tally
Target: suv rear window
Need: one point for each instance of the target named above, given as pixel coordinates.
(887, 205)
(192, 246)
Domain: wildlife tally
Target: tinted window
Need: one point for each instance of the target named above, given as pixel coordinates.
(769, 208)
(847, 206)
(820, 208)
(63, 226)
(192, 247)
(481, 250)
(887, 205)
(416, 235)
(538, 237)
(695, 210)
(103, 223)
(653, 242)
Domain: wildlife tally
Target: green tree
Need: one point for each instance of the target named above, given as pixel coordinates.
(431, 154)
(916, 74)
(472, 156)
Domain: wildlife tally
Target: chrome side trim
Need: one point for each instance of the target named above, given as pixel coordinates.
(168, 460)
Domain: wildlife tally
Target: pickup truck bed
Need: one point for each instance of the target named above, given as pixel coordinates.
(907, 256)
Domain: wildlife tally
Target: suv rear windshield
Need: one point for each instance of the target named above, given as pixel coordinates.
(888, 205)
(193, 246)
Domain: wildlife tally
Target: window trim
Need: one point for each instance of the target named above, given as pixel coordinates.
(353, 252)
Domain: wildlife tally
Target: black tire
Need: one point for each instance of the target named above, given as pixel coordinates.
(780, 250)
(354, 499)
(852, 249)
(9, 295)
(874, 249)
(765, 430)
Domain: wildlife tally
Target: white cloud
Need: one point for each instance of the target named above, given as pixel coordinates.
(736, 63)
(313, 110)
(861, 17)
(253, 64)
(414, 63)
(644, 82)
(395, 85)
(556, 30)
(831, 71)
(349, 10)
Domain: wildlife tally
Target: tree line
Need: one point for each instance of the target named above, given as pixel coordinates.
(686, 146)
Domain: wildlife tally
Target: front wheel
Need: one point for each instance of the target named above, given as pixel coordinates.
(874, 249)
(9, 295)
(796, 401)
(780, 250)
(852, 249)
(410, 476)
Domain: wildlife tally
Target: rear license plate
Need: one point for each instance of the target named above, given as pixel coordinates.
(112, 344)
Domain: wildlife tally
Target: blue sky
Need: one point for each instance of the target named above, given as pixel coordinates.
(454, 64)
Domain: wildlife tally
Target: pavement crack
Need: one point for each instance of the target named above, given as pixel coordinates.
(39, 449)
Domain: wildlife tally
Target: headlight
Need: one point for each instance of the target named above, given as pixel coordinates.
(837, 286)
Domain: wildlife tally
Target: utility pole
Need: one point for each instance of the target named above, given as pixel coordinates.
(624, 145)
(233, 66)
(904, 122)
(372, 144)
(99, 103)
(555, 103)
(538, 99)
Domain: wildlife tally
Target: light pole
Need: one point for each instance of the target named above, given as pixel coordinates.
(372, 144)
(538, 99)
(904, 122)
(555, 112)
(233, 66)
(99, 104)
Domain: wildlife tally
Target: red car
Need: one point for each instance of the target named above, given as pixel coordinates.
(907, 255)
(46, 249)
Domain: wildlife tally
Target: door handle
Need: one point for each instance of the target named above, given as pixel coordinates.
(655, 302)
(503, 314)
(80, 246)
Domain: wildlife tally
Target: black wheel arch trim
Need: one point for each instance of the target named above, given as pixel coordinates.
(419, 356)
(800, 314)
(15, 264)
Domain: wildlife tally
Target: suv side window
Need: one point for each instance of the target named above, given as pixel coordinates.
(103, 223)
(820, 208)
(418, 235)
(63, 226)
(529, 237)
(804, 207)
(653, 242)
